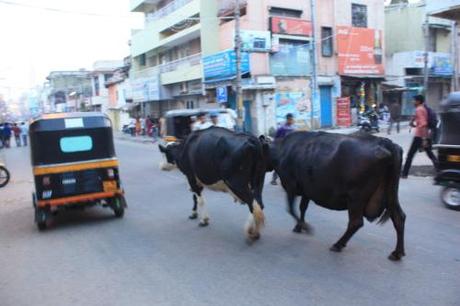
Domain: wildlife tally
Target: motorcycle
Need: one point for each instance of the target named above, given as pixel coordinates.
(4, 175)
(369, 121)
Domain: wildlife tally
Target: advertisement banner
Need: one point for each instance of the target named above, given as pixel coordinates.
(292, 59)
(343, 112)
(295, 103)
(145, 89)
(291, 26)
(222, 66)
(360, 51)
(256, 41)
(441, 64)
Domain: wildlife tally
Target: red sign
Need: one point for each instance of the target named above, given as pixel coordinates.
(291, 26)
(360, 51)
(343, 112)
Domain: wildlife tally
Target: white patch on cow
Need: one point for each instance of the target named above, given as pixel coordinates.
(220, 186)
(202, 210)
(165, 166)
(255, 221)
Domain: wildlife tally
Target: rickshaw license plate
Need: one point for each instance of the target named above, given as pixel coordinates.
(110, 186)
(453, 158)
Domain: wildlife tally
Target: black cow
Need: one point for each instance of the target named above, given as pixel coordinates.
(223, 161)
(342, 172)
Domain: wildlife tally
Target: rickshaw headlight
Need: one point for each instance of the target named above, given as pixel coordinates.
(110, 173)
(46, 181)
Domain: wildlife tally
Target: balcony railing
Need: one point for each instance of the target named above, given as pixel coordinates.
(188, 61)
(166, 10)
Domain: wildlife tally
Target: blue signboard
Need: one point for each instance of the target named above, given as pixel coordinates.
(222, 94)
(442, 65)
(222, 66)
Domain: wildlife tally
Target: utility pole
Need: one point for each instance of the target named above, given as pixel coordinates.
(426, 55)
(454, 55)
(239, 88)
(314, 75)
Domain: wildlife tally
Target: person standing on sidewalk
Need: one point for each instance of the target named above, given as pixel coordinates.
(395, 116)
(282, 132)
(17, 134)
(6, 135)
(24, 133)
(421, 139)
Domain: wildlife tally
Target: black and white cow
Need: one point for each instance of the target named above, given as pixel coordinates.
(358, 173)
(222, 160)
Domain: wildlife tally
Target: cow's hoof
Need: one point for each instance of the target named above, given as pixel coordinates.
(336, 248)
(297, 229)
(396, 256)
(204, 223)
(193, 216)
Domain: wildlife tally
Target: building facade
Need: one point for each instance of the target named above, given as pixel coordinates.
(166, 69)
(410, 31)
(102, 72)
(184, 58)
(68, 90)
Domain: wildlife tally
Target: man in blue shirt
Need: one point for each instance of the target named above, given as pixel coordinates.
(287, 128)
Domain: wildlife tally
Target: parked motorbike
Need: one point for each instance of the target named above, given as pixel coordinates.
(369, 121)
(4, 175)
(448, 175)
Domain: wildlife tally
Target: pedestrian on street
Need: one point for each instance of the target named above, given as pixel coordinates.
(149, 126)
(422, 140)
(287, 128)
(6, 135)
(132, 127)
(24, 133)
(201, 123)
(138, 126)
(395, 116)
(214, 118)
(142, 121)
(17, 134)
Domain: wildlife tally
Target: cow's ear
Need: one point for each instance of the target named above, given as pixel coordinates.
(162, 148)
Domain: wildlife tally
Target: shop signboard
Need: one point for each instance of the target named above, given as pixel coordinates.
(222, 66)
(146, 89)
(256, 41)
(295, 103)
(343, 112)
(292, 59)
(291, 26)
(360, 51)
(441, 64)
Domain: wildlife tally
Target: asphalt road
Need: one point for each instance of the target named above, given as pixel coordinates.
(156, 256)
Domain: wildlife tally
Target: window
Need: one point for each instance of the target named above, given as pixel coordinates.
(107, 76)
(282, 12)
(96, 85)
(359, 15)
(142, 59)
(326, 42)
(76, 144)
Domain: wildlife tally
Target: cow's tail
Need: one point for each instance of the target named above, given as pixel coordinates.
(391, 200)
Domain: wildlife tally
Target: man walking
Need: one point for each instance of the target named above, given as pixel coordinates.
(202, 123)
(282, 132)
(24, 133)
(421, 139)
(395, 116)
(17, 134)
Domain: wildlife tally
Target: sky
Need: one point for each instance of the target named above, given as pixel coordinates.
(35, 41)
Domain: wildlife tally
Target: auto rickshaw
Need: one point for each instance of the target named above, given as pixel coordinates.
(448, 175)
(74, 164)
(179, 122)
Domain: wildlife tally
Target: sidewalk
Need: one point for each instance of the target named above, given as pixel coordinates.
(404, 139)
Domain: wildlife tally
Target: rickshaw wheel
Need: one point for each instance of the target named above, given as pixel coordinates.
(41, 217)
(118, 206)
(4, 176)
(451, 198)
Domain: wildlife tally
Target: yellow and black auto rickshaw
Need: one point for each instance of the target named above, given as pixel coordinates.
(74, 164)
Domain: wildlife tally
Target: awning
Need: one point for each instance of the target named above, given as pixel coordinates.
(373, 77)
(451, 13)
